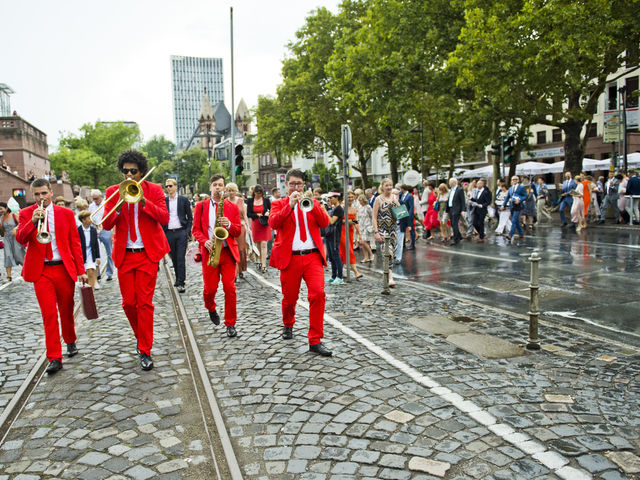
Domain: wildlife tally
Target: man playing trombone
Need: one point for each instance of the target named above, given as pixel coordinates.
(216, 230)
(139, 245)
(298, 253)
(53, 262)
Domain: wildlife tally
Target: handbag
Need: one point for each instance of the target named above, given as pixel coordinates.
(400, 212)
(263, 220)
(436, 205)
(88, 302)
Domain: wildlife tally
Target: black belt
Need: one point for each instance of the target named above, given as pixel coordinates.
(135, 250)
(304, 252)
(175, 229)
(53, 262)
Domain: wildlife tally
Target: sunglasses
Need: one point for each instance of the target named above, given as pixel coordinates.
(132, 171)
(169, 185)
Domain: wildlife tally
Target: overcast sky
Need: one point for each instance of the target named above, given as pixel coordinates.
(71, 62)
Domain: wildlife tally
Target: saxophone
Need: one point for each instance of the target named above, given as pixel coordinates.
(220, 234)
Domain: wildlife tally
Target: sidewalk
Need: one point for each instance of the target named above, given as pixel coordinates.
(401, 398)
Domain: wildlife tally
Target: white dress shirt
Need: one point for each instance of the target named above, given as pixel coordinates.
(51, 224)
(174, 219)
(451, 194)
(297, 243)
(138, 243)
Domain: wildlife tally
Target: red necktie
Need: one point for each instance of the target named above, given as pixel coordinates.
(132, 222)
(301, 225)
(48, 253)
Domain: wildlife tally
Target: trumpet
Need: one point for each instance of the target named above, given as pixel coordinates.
(129, 190)
(306, 204)
(43, 235)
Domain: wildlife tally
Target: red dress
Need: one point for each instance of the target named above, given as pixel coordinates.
(343, 254)
(431, 217)
(261, 233)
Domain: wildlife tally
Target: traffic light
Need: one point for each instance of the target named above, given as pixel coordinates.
(495, 150)
(508, 149)
(238, 160)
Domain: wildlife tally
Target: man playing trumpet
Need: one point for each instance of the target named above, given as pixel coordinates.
(139, 245)
(298, 253)
(53, 262)
(219, 250)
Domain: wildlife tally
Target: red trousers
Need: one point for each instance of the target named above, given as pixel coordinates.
(54, 291)
(137, 277)
(211, 275)
(310, 268)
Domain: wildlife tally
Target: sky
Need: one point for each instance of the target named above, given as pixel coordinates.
(72, 62)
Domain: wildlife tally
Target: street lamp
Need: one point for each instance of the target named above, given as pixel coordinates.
(418, 129)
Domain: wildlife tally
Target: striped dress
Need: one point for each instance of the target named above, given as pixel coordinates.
(387, 224)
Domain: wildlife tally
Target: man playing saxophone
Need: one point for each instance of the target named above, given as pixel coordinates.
(216, 225)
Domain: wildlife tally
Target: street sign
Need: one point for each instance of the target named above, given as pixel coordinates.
(346, 141)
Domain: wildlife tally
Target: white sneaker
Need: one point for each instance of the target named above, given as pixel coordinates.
(97, 286)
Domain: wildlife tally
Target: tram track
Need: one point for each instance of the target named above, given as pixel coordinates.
(224, 464)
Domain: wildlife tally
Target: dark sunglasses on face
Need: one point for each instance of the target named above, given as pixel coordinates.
(132, 171)
(168, 186)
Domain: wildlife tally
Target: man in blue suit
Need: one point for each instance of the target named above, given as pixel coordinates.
(567, 200)
(515, 196)
(178, 230)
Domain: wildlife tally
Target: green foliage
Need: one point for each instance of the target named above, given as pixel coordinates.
(91, 157)
(158, 149)
(319, 168)
(537, 62)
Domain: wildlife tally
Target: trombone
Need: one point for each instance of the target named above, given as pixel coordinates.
(129, 190)
(43, 235)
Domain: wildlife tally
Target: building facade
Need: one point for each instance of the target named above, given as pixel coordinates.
(190, 76)
(5, 101)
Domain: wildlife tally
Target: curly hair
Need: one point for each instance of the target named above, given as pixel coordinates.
(134, 156)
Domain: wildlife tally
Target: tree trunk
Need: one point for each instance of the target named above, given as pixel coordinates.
(573, 148)
(392, 155)
(362, 166)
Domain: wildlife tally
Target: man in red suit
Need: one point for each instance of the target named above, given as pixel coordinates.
(139, 245)
(53, 268)
(298, 253)
(204, 221)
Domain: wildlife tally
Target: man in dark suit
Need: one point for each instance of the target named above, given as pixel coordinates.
(178, 229)
(455, 206)
(479, 203)
(611, 195)
(514, 200)
(404, 224)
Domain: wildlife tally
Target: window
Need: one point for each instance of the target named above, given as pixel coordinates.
(612, 103)
(542, 137)
(593, 130)
(556, 135)
(632, 86)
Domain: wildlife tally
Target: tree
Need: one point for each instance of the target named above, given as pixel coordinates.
(329, 176)
(546, 62)
(91, 157)
(158, 149)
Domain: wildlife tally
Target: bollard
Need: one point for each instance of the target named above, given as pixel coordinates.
(534, 340)
(385, 266)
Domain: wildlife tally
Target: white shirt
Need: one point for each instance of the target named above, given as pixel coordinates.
(87, 242)
(213, 210)
(451, 194)
(138, 243)
(297, 243)
(93, 207)
(174, 220)
(51, 224)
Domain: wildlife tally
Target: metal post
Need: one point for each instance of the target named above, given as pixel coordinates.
(422, 172)
(534, 340)
(623, 92)
(209, 150)
(346, 150)
(385, 265)
(232, 158)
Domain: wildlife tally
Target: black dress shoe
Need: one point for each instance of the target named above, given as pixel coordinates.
(54, 366)
(146, 363)
(231, 332)
(320, 349)
(215, 318)
(109, 278)
(71, 349)
(181, 289)
(287, 333)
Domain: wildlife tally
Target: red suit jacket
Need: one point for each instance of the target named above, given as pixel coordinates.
(151, 217)
(282, 220)
(201, 227)
(67, 240)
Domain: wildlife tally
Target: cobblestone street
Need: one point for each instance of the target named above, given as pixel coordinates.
(402, 397)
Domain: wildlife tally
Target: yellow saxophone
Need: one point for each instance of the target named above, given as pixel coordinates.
(220, 234)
